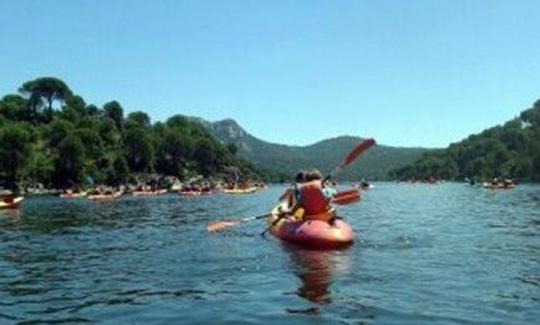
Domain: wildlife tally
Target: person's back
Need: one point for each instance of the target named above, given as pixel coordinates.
(313, 199)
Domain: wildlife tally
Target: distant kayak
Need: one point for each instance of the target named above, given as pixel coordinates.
(240, 191)
(149, 193)
(491, 186)
(312, 233)
(105, 196)
(73, 195)
(194, 193)
(11, 202)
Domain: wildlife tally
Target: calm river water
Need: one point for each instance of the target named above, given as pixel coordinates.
(445, 253)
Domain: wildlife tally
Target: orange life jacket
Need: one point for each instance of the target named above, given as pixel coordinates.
(313, 200)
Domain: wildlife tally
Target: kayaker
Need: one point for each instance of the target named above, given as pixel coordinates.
(292, 193)
(508, 183)
(315, 198)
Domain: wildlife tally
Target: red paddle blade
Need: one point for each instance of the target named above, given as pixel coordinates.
(366, 144)
(347, 197)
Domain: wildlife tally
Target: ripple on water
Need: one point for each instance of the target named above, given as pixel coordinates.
(423, 254)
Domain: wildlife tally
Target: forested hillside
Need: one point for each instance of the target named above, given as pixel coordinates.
(511, 151)
(50, 135)
(282, 160)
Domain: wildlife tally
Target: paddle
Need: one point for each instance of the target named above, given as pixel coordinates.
(355, 153)
(220, 225)
(347, 197)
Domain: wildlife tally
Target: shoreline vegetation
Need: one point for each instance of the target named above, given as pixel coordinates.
(510, 151)
(51, 140)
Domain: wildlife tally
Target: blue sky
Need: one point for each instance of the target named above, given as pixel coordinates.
(408, 73)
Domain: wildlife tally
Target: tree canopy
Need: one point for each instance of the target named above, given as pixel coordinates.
(51, 136)
(511, 151)
(45, 90)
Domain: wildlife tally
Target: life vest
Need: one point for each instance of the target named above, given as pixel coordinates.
(313, 200)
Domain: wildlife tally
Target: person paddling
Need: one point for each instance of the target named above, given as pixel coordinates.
(315, 199)
(292, 194)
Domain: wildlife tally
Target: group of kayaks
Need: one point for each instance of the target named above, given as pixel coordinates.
(108, 195)
(95, 196)
(495, 184)
(13, 202)
(500, 185)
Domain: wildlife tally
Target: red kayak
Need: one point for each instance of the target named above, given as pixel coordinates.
(312, 233)
(11, 202)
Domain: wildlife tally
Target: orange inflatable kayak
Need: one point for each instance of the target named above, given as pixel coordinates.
(312, 233)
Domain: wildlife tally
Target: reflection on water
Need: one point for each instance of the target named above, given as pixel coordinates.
(317, 270)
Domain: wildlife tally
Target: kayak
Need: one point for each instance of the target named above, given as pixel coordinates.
(73, 195)
(11, 203)
(312, 233)
(194, 193)
(241, 191)
(107, 196)
(498, 186)
(148, 193)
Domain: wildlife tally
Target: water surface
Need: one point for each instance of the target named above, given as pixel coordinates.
(445, 253)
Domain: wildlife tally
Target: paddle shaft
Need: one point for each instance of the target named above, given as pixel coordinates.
(281, 216)
(255, 217)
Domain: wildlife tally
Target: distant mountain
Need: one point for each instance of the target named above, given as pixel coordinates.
(511, 151)
(282, 161)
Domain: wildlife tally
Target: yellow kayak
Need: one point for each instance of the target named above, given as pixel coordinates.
(241, 191)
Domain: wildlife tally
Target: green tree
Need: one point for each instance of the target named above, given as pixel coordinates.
(121, 170)
(74, 110)
(58, 130)
(46, 89)
(70, 163)
(177, 149)
(138, 119)
(14, 108)
(140, 149)
(41, 165)
(205, 155)
(233, 149)
(178, 121)
(115, 112)
(15, 151)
